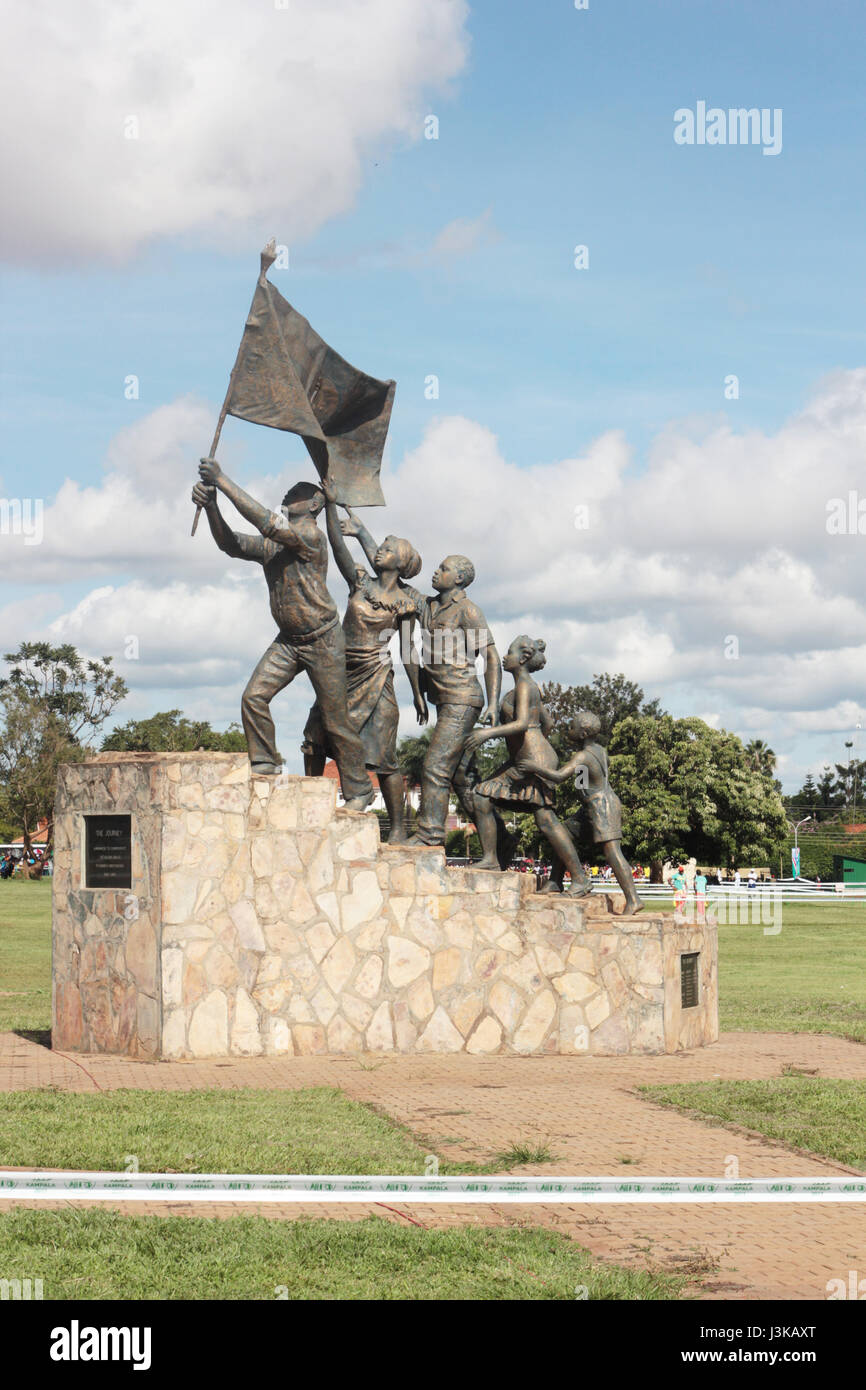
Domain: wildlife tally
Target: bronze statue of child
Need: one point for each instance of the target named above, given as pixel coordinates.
(602, 804)
(518, 783)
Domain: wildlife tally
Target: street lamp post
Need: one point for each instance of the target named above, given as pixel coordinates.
(795, 829)
(849, 744)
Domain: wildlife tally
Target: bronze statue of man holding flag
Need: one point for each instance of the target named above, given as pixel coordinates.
(287, 377)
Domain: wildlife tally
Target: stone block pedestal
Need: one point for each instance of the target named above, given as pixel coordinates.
(247, 915)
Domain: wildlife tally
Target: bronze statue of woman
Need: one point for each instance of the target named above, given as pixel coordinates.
(379, 604)
(513, 785)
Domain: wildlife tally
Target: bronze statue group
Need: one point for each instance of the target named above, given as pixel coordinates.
(355, 716)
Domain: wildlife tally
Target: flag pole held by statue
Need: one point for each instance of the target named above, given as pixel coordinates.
(269, 255)
(287, 377)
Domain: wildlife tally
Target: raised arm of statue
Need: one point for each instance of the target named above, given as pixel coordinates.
(342, 554)
(233, 543)
(268, 522)
(352, 525)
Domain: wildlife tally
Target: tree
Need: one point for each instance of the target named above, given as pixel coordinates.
(52, 704)
(79, 692)
(688, 789)
(171, 732)
(33, 744)
(411, 753)
(761, 756)
(612, 698)
(849, 781)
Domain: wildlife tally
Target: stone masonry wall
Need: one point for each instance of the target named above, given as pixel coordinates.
(262, 920)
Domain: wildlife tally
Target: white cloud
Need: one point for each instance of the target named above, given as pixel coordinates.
(250, 118)
(672, 563)
(463, 236)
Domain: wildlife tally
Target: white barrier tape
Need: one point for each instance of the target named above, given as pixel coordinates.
(228, 1187)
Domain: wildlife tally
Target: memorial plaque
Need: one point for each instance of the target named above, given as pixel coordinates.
(689, 979)
(108, 851)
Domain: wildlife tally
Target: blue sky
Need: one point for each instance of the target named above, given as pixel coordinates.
(555, 129)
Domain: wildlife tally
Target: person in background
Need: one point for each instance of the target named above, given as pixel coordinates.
(736, 878)
(678, 883)
(701, 894)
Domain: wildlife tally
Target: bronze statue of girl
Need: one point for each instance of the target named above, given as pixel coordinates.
(603, 807)
(516, 784)
(379, 604)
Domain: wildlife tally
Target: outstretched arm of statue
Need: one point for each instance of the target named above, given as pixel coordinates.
(518, 725)
(342, 554)
(240, 547)
(261, 517)
(352, 525)
(554, 775)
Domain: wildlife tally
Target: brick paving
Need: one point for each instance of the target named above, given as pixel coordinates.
(585, 1109)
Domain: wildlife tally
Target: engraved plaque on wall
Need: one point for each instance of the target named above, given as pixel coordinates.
(689, 980)
(108, 851)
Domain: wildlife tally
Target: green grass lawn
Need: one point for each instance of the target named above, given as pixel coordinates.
(25, 955)
(810, 978)
(103, 1255)
(318, 1130)
(827, 1117)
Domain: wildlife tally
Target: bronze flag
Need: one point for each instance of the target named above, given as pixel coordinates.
(287, 377)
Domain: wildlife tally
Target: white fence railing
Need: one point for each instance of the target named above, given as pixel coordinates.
(784, 890)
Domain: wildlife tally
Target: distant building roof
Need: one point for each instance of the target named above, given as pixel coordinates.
(35, 837)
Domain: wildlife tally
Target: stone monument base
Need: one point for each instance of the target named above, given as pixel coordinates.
(201, 911)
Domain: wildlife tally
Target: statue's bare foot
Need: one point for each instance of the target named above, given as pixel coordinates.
(398, 836)
(488, 862)
(551, 886)
(264, 769)
(360, 803)
(578, 890)
(632, 909)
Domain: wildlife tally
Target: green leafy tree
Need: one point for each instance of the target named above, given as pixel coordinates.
(761, 756)
(612, 698)
(411, 753)
(33, 744)
(830, 798)
(171, 732)
(688, 789)
(52, 704)
(78, 692)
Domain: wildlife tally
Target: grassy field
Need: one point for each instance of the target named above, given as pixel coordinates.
(809, 978)
(826, 1117)
(318, 1130)
(102, 1255)
(25, 955)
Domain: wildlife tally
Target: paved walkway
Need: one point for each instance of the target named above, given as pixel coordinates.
(586, 1110)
